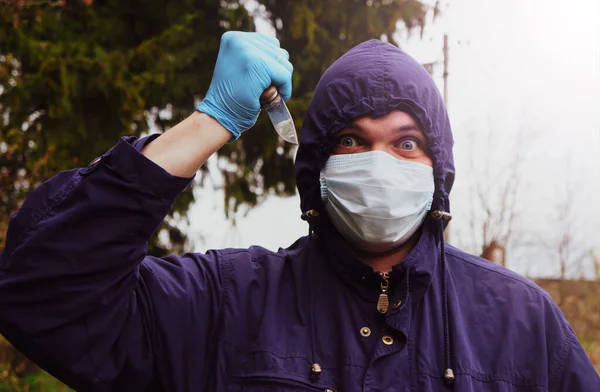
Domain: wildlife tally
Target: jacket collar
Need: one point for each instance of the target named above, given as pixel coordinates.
(421, 263)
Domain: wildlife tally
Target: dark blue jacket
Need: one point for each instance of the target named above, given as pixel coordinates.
(80, 296)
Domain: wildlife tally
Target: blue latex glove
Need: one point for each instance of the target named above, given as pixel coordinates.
(247, 64)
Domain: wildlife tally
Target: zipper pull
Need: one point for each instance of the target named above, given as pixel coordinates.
(383, 303)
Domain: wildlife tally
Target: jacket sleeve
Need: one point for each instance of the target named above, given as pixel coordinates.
(576, 372)
(79, 296)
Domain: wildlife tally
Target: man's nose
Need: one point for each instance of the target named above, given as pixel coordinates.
(386, 147)
(380, 146)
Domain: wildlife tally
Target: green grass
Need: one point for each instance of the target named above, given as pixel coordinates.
(42, 382)
(45, 383)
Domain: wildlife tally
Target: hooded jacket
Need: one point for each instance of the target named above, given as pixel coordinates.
(81, 298)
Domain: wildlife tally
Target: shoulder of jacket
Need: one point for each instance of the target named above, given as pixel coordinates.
(505, 293)
(501, 275)
(257, 254)
(252, 254)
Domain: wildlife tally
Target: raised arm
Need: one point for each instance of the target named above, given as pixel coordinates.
(78, 294)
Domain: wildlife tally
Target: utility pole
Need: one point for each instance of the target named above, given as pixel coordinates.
(445, 76)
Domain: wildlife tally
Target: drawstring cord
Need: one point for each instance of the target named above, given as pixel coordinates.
(448, 372)
(315, 369)
(407, 284)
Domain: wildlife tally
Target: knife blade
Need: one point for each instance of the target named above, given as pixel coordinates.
(274, 105)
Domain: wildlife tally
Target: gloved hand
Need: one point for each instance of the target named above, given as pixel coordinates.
(247, 64)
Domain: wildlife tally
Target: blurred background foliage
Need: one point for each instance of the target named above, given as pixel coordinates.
(75, 75)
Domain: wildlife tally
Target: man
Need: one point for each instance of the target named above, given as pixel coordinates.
(371, 300)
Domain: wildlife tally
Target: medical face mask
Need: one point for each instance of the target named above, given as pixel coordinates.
(376, 201)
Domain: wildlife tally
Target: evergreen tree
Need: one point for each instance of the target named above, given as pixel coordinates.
(77, 75)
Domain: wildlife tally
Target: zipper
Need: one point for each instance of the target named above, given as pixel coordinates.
(383, 303)
(280, 382)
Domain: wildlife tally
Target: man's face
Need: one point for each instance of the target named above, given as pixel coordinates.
(395, 133)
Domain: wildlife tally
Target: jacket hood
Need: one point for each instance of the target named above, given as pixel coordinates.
(373, 78)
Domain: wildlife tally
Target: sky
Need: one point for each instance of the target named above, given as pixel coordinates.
(524, 76)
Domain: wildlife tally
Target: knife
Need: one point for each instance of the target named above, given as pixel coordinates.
(272, 102)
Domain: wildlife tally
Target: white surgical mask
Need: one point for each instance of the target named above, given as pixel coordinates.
(376, 201)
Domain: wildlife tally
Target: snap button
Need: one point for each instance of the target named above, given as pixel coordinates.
(91, 166)
(387, 340)
(96, 160)
(397, 304)
(365, 331)
(316, 369)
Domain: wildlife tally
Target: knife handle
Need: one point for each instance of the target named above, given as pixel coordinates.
(269, 95)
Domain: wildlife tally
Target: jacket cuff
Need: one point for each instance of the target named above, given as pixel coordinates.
(126, 160)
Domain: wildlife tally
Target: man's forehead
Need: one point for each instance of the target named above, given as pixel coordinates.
(396, 120)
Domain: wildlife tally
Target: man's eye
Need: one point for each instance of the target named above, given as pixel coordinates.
(348, 141)
(409, 145)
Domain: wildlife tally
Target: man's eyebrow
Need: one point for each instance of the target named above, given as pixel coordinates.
(410, 127)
